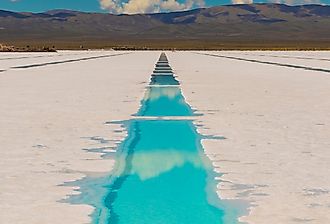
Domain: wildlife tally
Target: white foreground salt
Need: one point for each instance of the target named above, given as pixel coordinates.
(275, 119)
(277, 124)
(46, 115)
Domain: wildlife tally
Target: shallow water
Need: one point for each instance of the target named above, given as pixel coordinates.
(165, 177)
(164, 101)
(162, 175)
(163, 80)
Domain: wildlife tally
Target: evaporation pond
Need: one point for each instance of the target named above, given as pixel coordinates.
(164, 101)
(163, 177)
(163, 80)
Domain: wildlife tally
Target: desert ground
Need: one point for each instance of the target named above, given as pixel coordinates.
(272, 108)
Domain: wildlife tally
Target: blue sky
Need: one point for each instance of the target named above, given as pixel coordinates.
(42, 5)
(127, 6)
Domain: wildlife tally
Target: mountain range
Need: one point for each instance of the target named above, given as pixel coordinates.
(215, 27)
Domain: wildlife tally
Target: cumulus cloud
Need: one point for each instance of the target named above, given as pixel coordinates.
(148, 6)
(242, 1)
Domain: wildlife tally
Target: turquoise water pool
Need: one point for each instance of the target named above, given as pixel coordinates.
(163, 80)
(162, 175)
(164, 101)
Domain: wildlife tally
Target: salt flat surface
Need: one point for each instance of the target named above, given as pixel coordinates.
(312, 59)
(275, 120)
(13, 60)
(47, 116)
(276, 123)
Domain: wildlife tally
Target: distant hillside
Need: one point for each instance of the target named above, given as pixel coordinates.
(239, 24)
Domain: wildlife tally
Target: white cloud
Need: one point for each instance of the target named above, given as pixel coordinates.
(110, 5)
(242, 1)
(148, 6)
(171, 5)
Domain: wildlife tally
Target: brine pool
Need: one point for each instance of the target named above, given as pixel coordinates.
(162, 175)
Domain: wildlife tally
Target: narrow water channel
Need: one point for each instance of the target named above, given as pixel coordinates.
(162, 175)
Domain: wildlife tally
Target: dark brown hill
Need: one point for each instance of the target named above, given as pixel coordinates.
(239, 25)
